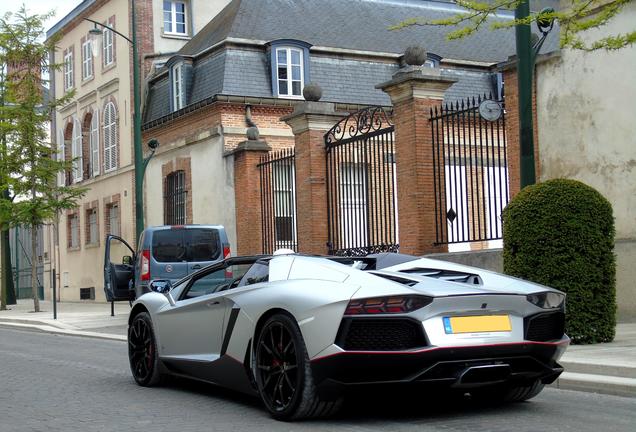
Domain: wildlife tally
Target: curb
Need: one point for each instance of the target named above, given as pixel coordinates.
(46, 328)
(604, 384)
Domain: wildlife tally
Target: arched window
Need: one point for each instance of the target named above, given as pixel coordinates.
(111, 137)
(175, 199)
(94, 143)
(76, 151)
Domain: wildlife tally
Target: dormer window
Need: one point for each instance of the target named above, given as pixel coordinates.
(290, 68)
(178, 99)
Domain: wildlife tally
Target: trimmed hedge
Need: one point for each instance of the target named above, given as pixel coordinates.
(560, 233)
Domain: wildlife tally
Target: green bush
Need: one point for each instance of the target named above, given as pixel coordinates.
(561, 234)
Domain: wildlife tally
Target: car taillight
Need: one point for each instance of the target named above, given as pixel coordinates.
(145, 265)
(386, 305)
(226, 251)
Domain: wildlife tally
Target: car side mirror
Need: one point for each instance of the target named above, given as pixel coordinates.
(127, 260)
(160, 286)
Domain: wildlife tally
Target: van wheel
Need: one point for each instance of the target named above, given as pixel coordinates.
(142, 351)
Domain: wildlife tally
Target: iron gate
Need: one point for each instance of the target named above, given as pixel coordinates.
(278, 201)
(471, 172)
(361, 184)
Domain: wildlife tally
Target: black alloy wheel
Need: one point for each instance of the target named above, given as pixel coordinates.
(277, 363)
(282, 372)
(142, 351)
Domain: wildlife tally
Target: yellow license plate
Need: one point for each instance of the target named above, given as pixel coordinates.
(477, 324)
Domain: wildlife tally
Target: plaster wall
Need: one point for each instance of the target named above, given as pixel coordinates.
(586, 112)
(212, 184)
(84, 267)
(200, 13)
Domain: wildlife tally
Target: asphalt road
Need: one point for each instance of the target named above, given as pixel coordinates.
(62, 383)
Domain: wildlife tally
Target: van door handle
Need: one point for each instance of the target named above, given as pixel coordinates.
(212, 303)
(196, 267)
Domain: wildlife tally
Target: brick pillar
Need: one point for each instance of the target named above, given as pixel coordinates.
(309, 122)
(247, 196)
(413, 92)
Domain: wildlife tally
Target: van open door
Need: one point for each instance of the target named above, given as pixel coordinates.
(119, 260)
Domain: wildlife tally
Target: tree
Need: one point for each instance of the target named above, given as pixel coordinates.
(30, 162)
(582, 15)
(7, 295)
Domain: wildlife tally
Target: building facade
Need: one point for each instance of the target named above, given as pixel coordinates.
(95, 129)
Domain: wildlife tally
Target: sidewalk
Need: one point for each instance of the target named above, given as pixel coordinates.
(74, 318)
(602, 368)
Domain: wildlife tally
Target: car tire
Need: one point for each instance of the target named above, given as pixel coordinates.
(507, 393)
(142, 351)
(523, 393)
(283, 375)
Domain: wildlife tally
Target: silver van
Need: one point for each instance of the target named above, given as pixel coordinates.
(163, 252)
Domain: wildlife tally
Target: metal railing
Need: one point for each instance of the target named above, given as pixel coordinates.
(278, 201)
(471, 172)
(361, 184)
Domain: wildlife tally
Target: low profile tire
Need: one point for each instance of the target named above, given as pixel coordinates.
(142, 351)
(508, 393)
(523, 393)
(283, 373)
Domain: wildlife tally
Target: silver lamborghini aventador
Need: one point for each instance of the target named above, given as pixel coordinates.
(300, 330)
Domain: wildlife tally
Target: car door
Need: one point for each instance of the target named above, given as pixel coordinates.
(168, 254)
(191, 330)
(118, 269)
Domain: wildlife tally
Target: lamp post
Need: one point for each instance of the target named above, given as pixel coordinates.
(526, 56)
(139, 200)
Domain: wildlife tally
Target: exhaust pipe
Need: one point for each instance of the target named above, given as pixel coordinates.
(484, 374)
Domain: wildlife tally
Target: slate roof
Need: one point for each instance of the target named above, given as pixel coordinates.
(352, 24)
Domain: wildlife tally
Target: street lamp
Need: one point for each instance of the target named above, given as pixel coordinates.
(94, 33)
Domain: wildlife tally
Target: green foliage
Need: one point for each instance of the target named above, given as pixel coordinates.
(582, 15)
(28, 170)
(560, 233)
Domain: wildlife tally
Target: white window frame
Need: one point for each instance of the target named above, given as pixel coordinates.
(61, 175)
(87, 60)
(94, 143)
(110, 137)
(289, 66)
(68, 69)
(108, 47)
(173, 17)
(178, 100)
(76, 152)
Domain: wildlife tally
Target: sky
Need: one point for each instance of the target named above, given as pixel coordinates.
(60, 7)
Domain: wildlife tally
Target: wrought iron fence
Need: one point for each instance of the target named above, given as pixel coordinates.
(361, 184)
(471, 172)
(278, 200)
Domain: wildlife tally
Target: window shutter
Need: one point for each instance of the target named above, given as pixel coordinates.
(60, 157)
(77, 151)
(94, 137)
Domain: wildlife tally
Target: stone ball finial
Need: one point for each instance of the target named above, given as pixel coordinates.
(312, 92)
(415, 55)
(253, 134)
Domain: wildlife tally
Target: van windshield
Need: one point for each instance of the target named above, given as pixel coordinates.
(176, 245)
